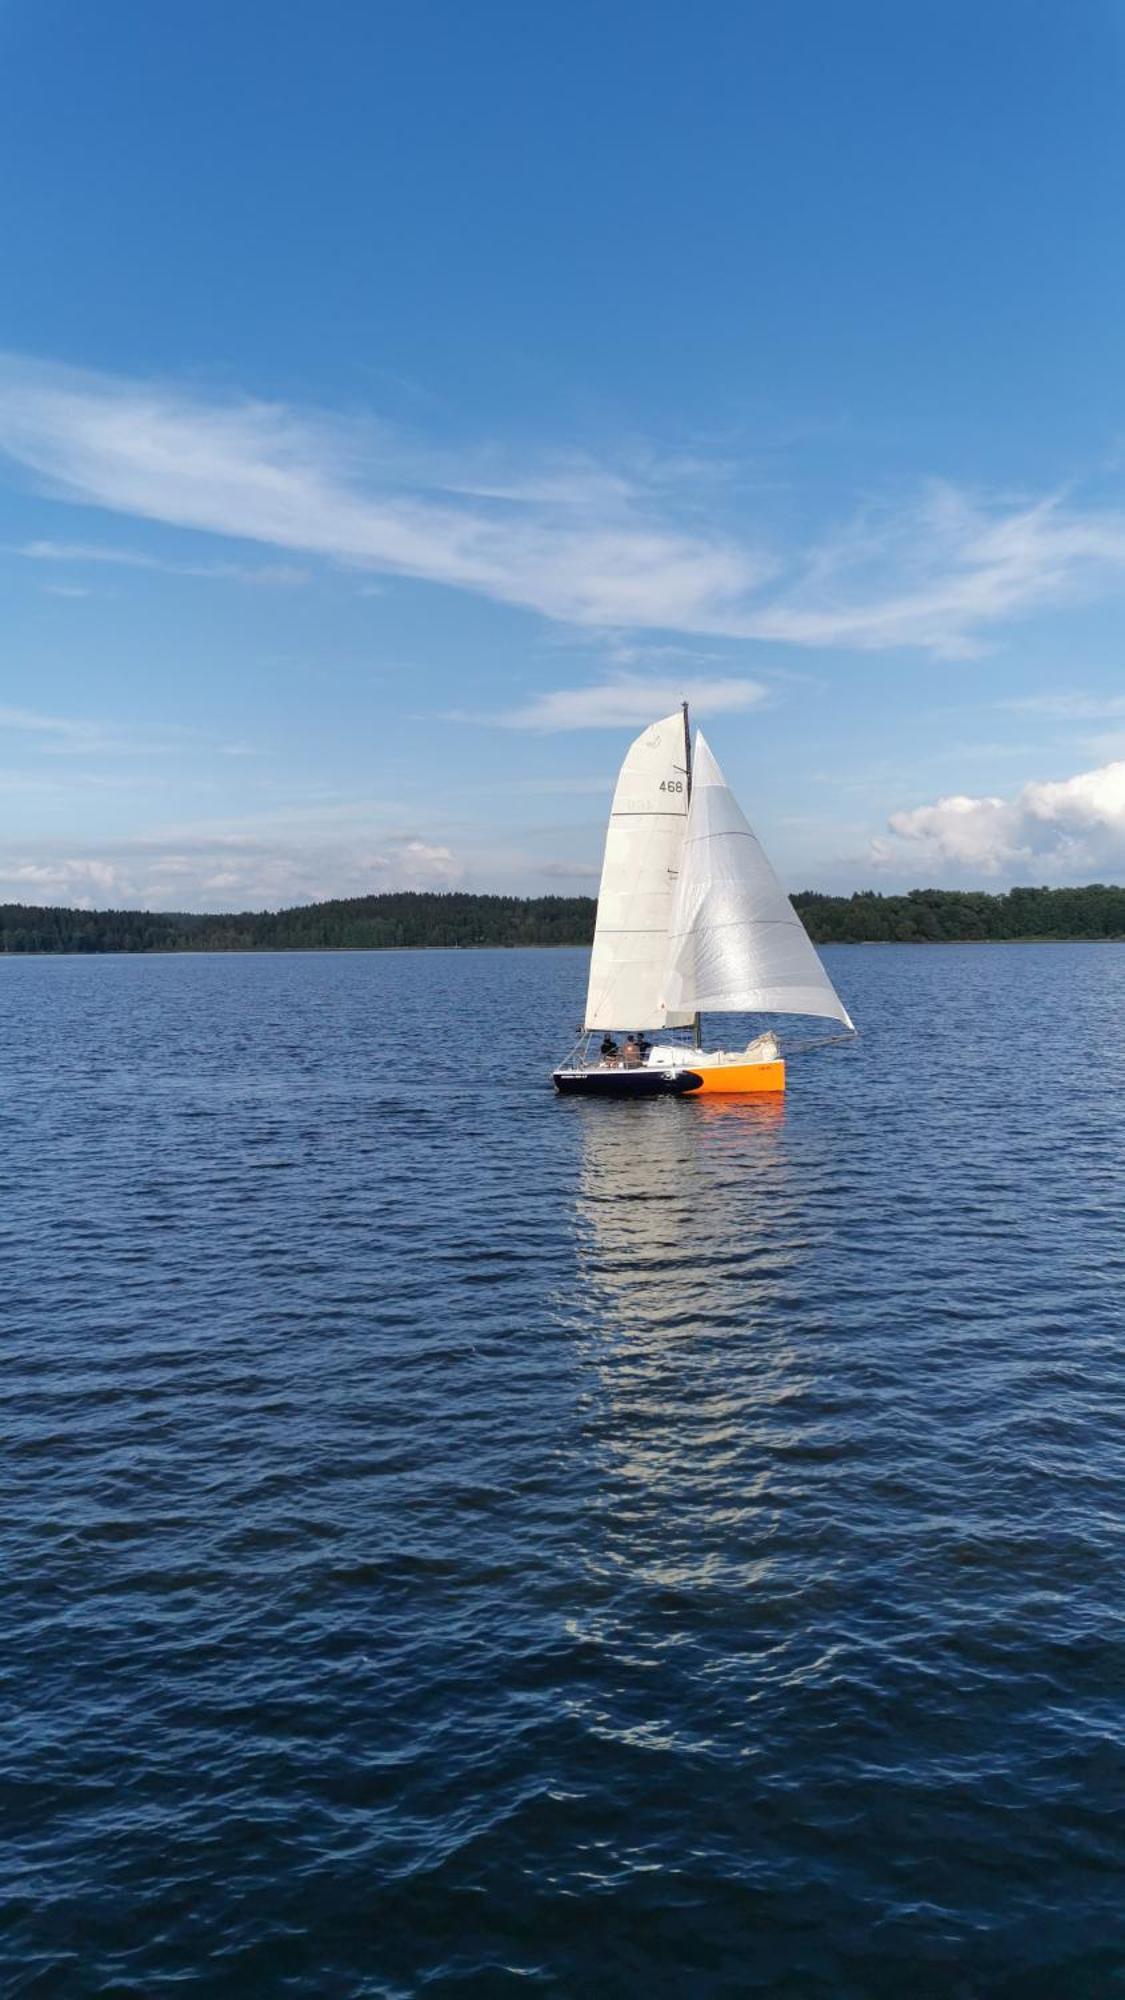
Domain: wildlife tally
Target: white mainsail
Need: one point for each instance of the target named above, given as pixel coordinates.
(735, 943)
(642, 856)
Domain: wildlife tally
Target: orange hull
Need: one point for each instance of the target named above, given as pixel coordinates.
(768, 1077)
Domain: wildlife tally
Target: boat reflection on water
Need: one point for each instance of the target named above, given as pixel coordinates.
(692, 1244)
(677, 1202)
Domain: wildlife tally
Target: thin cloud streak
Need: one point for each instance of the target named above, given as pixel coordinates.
(573, 541)
(66, 735)
(1069, 707)
(277, 575)
(259, 472)
(629, 702)
(78, 735)
(570, 871)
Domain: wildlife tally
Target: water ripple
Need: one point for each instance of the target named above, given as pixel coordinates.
(463, 1541)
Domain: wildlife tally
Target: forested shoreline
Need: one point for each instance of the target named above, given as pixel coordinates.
(457, 920)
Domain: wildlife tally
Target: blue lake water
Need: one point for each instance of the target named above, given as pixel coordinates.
(458, 1540)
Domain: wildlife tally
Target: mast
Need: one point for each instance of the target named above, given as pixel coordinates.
(697, 1022)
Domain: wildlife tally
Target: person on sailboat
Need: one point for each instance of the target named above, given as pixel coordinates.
(609, 1051)
(630, 1053)
(644, 1047)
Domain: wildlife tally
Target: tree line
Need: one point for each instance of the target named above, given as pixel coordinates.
(963, 916)
(355, 923)
(455, 919)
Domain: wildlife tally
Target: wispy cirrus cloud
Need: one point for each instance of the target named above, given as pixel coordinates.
(579, 542)
(1068, 829)
(1069, 707)
(84, 736)
(570, 871)
(262, 472)
(942, 572)
(627, 701)
(71, 735)
(274, 575)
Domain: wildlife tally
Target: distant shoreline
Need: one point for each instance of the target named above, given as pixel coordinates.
(455, 920)
(404, 950)
(293, 950)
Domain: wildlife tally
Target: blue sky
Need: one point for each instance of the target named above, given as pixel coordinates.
(401, 403)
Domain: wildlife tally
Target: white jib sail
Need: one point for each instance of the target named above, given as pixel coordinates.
(736, 944)
(642, 857)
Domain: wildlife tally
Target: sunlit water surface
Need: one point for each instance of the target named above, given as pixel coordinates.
(460, 1540)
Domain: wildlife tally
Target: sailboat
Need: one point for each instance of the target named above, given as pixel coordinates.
(691, 920)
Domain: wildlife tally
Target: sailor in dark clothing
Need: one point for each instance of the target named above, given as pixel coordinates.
(609, 1051)
(644, 1046)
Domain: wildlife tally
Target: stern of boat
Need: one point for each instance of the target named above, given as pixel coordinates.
(743, 1079)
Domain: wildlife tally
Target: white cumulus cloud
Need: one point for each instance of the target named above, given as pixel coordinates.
(1065, 829)
(226, 872)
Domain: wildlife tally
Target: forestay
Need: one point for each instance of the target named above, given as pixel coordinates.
(736, 944)
(642, 857)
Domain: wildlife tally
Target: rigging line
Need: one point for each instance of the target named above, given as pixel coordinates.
(738, 924)
(725, 833)
(820, 1041)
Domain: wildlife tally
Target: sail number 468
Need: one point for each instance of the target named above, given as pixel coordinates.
(671, 784)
